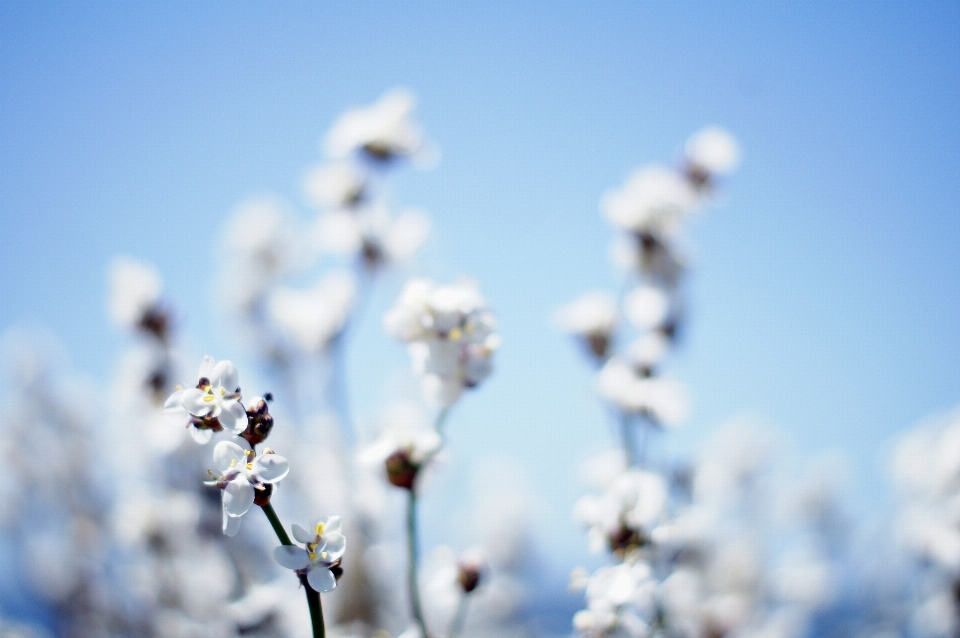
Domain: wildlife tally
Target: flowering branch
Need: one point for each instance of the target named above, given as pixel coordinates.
(313, 596)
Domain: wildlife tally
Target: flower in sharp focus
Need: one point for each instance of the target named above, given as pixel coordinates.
(451, 333)
(382, 131)
(592, 317)
(242, 474)
(319, 561)
(211, 406)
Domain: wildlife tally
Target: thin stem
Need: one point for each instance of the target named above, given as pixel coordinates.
(629, 439)
(412, 555)
(313, 596)
(457, 625)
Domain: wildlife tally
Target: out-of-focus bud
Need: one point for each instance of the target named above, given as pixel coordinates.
(471, 567)
(401, 470)
(259, 421)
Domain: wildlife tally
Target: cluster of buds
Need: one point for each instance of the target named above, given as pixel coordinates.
(451, 333)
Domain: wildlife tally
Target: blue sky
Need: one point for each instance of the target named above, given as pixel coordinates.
(826, 290)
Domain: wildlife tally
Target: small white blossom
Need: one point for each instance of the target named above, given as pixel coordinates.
(713, 150)
(653, 201)
(242, 473)
(324, 548)
(335, 185)
(629, 390)
(620, 602)
(313, 318)
(372, 234)
(647, 307)
(624, 516)
(134, 291)
(451, 336)
(382, 131)
(214, 404)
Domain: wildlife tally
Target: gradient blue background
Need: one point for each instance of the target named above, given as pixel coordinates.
(826, 289)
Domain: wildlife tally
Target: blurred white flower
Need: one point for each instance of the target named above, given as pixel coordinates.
(324, 548)
(620, 602)
(592, 317)
(242, 474)
(647, 307)
(135, 290)
(624, 516)
(214, 404)
(335, 185)
(664, 400)
(383, 130)
(713, 150)
(451, 336)
(313, 318)
(653, 201)
(372, 234)
(404, 443)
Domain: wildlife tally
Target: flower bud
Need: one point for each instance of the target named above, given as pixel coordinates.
(259, 421)
(262, 494)
(401, 470)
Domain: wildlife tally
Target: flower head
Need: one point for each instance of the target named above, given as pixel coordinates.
(319, 560)
(382, 131)
(242, 474)
(211, 406)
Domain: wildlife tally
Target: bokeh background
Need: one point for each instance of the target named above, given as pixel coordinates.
(825, 292)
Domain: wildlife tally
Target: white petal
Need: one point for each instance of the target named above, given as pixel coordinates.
(201, 436)
(225, 375)
(173, 410)
(302, 535)
(270, 468)
(238, 496)
(228, 455)
(334, 544)
(332, 525)
(233, 416)
(206, 367)
(321, 579)
(231, 524)
(291, 557)
(193, 401)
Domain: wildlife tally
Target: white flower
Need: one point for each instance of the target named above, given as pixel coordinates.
(383, 130)
(653, 201)
(324, 547)
(242, 473)
(620, 602)
(647, 307)
(451, 336)
(713, 150)
(664, 400)
(134, 291)
(214, 404)
(372, 234)
(625, 515)
(335, 185)
(594, 313)
(313, 318)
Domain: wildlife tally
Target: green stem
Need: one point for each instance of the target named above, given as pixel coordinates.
(313, 596)
(412, 554)
(457, 625)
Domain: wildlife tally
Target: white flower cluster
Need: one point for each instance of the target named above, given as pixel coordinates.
(451, 333)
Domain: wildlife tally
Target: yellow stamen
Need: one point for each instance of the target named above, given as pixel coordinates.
(249, 466)
(223, 391)
(455, 334)
(320, 528)
(233, 462)
(312, 556)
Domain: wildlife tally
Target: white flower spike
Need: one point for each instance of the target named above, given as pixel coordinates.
(242, 474)
(324, 548)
